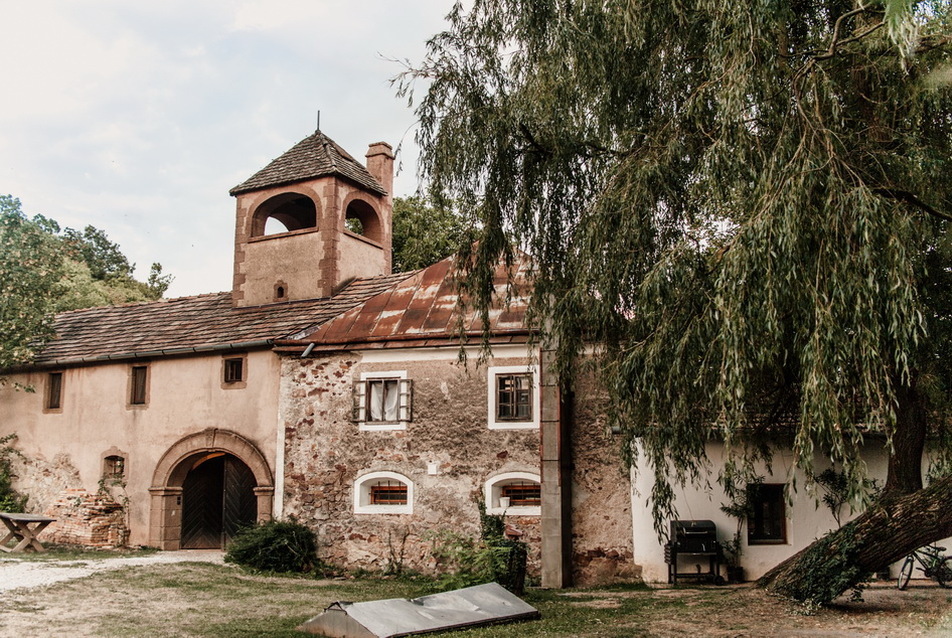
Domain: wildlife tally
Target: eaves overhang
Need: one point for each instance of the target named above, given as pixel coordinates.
(260, 344)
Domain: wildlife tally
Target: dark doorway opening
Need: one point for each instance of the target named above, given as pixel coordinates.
(218, 499)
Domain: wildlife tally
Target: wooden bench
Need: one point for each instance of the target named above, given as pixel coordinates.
(24, 528)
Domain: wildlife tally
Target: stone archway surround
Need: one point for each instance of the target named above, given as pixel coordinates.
(165, 513)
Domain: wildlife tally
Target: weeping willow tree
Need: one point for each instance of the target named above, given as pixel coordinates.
(745, 205)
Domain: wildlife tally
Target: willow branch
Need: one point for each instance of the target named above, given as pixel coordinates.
(910, 198)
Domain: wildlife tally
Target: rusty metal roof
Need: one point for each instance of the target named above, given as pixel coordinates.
(192, 324)
(421, 310)
(315, 156)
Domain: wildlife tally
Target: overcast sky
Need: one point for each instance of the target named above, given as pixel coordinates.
(138, 117)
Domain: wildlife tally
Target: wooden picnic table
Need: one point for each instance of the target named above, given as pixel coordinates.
(19, 528)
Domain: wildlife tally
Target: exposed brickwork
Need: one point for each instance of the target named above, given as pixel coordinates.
(86, 518)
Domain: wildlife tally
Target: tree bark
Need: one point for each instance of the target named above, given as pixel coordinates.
(905, 460)
(904, 518)
(887, 531)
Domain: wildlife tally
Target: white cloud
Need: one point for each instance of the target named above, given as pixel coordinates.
(138, 117)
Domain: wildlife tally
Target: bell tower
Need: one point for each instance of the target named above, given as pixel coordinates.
(312, 220)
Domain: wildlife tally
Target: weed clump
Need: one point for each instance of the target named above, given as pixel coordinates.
(10, 499)
(275, 546)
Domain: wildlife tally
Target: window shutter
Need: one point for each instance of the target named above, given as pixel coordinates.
(406, 399)
(359, 413)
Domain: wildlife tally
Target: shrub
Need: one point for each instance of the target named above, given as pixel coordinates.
(10, 500)
(276, 546)
(468, 561)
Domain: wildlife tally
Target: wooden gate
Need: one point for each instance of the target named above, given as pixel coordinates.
(218, 499)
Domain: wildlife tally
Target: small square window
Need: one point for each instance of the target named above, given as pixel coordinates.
(234, 370)
(54, 391)
(139, 385)
(513, 397)
(383, 401)
(767, 523)
(113, 468)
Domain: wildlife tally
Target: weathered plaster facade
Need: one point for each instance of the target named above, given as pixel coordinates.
(447, 451)
(602, 549)
(65, 449)
(148, 388)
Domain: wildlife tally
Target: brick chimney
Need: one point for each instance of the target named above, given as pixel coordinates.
(380, 165)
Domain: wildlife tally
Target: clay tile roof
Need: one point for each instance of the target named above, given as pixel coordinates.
(315, 156)
(421, 309)
(192, 324)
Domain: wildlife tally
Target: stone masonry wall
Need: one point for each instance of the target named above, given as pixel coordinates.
(601, 496)
(325, 453)
(43, 480)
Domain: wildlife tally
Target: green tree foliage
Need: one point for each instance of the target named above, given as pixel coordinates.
(98, 274)
(746, 205)
(31, 268)
(10, 499)
(93, 270)
(424, 233)
(44, 271)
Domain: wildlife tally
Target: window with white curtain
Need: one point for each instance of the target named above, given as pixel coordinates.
(383, 401)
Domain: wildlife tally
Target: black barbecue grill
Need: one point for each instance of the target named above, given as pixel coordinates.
(693, 545)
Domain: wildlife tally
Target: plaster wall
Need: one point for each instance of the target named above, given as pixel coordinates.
(65, 448)
(309, 263)
(291, 260)
(360, 257)
(807, 518)
(448, 451)
(326, 453)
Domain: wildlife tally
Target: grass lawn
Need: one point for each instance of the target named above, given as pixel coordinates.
(201, 599)
(55, 552)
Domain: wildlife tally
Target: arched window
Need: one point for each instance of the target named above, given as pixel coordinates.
(361, 219)
(515, 493)
(383, 493)
(284, 213)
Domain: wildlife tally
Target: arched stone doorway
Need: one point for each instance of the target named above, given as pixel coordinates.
(204, 487)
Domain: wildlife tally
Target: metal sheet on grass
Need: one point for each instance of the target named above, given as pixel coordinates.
(479, 605)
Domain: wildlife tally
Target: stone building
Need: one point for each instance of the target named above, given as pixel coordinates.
(321, 386)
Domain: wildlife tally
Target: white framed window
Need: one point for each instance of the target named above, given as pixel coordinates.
(514, 493)
(383, 401)
(513, 397)
(383, 493)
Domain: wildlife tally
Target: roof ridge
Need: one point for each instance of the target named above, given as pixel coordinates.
(129, 304)
(327, 150)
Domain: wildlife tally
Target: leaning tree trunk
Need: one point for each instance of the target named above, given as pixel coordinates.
(883, 534)
(904, 518)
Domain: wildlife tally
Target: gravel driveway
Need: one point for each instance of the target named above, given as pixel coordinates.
(26, 574)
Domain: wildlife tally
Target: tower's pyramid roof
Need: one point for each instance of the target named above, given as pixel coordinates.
(315, 156)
